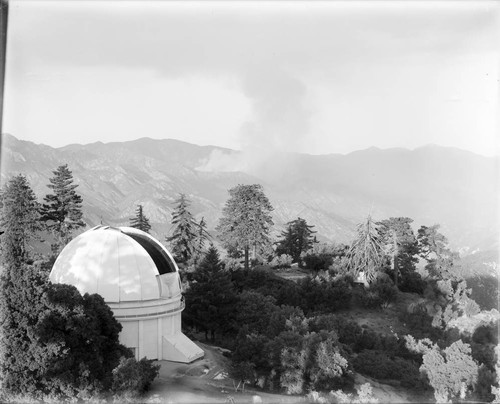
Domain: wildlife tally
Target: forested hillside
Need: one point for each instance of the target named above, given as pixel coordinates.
(431, 185)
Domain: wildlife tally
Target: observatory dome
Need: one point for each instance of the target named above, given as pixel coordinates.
(120, 264)
(139, 280)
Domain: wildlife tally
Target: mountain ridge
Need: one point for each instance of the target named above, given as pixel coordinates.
(435, 184)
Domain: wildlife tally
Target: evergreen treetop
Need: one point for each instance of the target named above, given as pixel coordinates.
(212, 296)
(366, 254)
(19, 221)
(62, 212)
(433, 247)
(140, 221)
(246, 220)
(296, 239)
(399, 243)
(185, 230)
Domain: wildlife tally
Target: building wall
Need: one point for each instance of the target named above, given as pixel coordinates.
(146, 335)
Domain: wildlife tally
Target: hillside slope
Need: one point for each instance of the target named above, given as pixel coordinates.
(432, 184)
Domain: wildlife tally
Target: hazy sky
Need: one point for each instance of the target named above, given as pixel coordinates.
(316, 77)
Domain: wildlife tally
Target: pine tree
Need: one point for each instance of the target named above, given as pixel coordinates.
(140, 221)
(246, 220)
(400, 243)
(366, 254)
(211, 298)
(202, 237)
(62, 212)
(185, 230)
(434, 249)
(296, 239)
(19, 221)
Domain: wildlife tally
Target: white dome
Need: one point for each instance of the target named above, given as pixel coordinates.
(120, 264)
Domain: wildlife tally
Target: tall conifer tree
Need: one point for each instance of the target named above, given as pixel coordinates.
(62, 212)
(296, 239)
(366, 254)
(211, 299)
(433, 247)
(246, 220)
(140, 221)
(19, 221)
(185, 230)
(400, 243)
(202, 237)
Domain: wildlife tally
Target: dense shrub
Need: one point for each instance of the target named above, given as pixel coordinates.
(132, 378)
(412, 282)
(484, 290)
(348, 331)
(485, 380)
(378, 364)
(325, 296)
(269, 284)
(317, 262)
(379, 294)
(419, 324)
(55, 342)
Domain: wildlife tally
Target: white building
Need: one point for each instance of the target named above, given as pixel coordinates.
(139, 280)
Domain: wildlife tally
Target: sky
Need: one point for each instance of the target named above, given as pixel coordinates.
(312, 77)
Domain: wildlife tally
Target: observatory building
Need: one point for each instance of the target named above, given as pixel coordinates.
(139, 280)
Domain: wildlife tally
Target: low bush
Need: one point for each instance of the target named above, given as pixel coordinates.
(317, 262)
(412, 282)
(379, 365)
(379, 294)
(131, 378)
(324, 296)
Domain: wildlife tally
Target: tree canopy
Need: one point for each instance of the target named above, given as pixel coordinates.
(246, 220)
(19, 221)
(366, 254)
(434, 249)
(296, 239)
(185, 230)
(202, 236)
(140, 221)
(399, 243)
(55, 342)
(211, 296)
(62, 212)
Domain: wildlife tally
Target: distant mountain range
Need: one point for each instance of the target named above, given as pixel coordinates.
(334, 192)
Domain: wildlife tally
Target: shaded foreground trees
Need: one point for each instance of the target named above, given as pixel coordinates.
(19, 222)
(55, 342)
(246, 221)
(211, 296)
